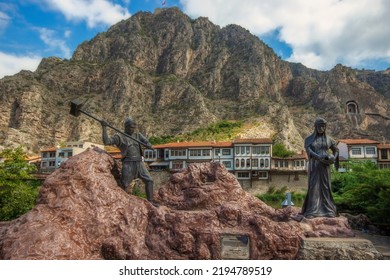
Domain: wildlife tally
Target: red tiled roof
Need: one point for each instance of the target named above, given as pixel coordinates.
(384, 146)
(178, 145)
(358, 141)
(295, 156)
(52, 149)
(35, 157)
(253, 141)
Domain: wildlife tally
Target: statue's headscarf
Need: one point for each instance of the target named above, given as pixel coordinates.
(310, 139)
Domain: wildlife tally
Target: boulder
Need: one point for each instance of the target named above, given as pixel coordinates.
(82, 213)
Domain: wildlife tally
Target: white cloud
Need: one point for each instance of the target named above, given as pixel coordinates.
(321, 33)
(94, 12)
(4, 21)
(67, 33)
(48, 37)
(11, 64)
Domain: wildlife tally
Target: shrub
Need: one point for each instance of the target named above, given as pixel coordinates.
(18, 188)
(279, 150)
(364, 190)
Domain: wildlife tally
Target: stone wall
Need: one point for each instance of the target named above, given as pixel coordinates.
(252, 186)
(278, 181)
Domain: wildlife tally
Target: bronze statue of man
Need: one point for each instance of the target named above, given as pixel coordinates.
(319, 201)
(132, 165)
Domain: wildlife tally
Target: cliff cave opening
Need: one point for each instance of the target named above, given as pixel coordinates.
(14, 120)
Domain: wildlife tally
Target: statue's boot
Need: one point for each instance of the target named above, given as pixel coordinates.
(149, 193)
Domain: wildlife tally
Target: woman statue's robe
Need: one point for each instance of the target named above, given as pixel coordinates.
(319, 201)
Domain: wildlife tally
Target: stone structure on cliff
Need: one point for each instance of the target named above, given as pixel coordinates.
(82, 213)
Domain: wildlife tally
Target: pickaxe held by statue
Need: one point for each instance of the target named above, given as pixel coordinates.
(75, 110)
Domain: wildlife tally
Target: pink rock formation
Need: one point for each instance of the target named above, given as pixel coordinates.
(82, 213)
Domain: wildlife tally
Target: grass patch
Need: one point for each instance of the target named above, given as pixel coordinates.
(274, 197)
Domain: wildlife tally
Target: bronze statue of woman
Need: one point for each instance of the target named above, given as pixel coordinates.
(319, 201)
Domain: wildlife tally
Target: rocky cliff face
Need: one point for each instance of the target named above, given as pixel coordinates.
(174, 74)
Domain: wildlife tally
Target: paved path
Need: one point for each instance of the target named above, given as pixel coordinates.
(381, 242)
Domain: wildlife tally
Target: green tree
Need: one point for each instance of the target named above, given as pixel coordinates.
(18, 188)
(279, 150)
(365, 189)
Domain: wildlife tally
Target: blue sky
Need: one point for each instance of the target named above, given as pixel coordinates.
(317, 33)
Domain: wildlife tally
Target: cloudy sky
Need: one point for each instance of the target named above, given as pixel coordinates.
(317, 33)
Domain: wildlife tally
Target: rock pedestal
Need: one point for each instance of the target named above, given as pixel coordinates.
(82, 213)
(338, 249)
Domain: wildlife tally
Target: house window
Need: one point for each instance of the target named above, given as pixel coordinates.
(177, 165)
(52, 163)
(52, 154)
(178, 153)
(384, 165)
(262, 163)
(237, 163)
(148, 154)
(255, 162)
(81, 145)
(266, 162)
(195, 153)
(62, 154)
(384, 154)
(44, 164)
(226, 152)
(44, 155)
(242, 163)
(276, 163)
(70, 154)
(370, 151)
(265, 150)
(206, 153)
(243, 175)
(237, 150)
(227, 164)
(217, 152)
(302, 163)
(248, 163)
(356, 151)
(263, 175)
(286, 164)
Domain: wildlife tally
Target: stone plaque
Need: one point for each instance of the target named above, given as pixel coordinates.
(235, 247)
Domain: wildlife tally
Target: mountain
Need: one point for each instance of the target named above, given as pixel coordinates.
(174, 74)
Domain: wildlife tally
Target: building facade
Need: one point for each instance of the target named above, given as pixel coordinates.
(52, 158)
(246, 158)
(176, 156)
(383, 156)
(358, 150)
(252, 158)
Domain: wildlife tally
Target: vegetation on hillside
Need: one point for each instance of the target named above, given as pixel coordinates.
(18, 188)
(279, 150)
(220, 131)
